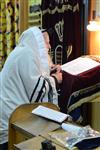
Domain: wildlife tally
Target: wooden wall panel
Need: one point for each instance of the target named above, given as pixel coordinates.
(23, 24)
(94, 37)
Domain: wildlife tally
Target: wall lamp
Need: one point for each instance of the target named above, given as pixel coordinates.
(94, 25)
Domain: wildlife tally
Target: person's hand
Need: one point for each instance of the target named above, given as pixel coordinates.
(58, 67)
(58, 75)
(55, 68)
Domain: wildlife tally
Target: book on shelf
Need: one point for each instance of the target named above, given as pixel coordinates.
(79, 65)
(50, 114)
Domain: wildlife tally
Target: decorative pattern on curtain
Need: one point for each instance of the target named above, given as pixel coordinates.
(64, 17)
(9, 27)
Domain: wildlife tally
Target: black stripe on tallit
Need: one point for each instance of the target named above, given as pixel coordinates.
(40, 92)
(34, 89)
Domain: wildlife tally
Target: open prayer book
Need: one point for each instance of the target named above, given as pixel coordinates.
(50, 114)
(79, 65)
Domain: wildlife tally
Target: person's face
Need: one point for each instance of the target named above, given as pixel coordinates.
(47, 40)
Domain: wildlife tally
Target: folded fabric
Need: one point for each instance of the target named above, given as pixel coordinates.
(88, 144)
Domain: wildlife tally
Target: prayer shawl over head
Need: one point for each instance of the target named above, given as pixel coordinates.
(25, 77)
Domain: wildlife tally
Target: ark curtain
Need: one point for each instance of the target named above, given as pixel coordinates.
(64, 17)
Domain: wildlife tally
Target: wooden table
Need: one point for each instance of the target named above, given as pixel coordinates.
(24, 125)
(32, 130)
(34, 144)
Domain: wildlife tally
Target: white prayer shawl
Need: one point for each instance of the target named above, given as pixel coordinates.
(25, 65)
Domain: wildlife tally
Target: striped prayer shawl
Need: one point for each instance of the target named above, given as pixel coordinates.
(43, 88)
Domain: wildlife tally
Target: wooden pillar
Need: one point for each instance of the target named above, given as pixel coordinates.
(23, 15)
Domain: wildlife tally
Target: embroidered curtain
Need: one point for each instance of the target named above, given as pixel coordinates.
(9, 27)
(64, 17)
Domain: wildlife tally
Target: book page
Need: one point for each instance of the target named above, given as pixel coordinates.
(79, 65)
(71, 128)
(50, 114)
